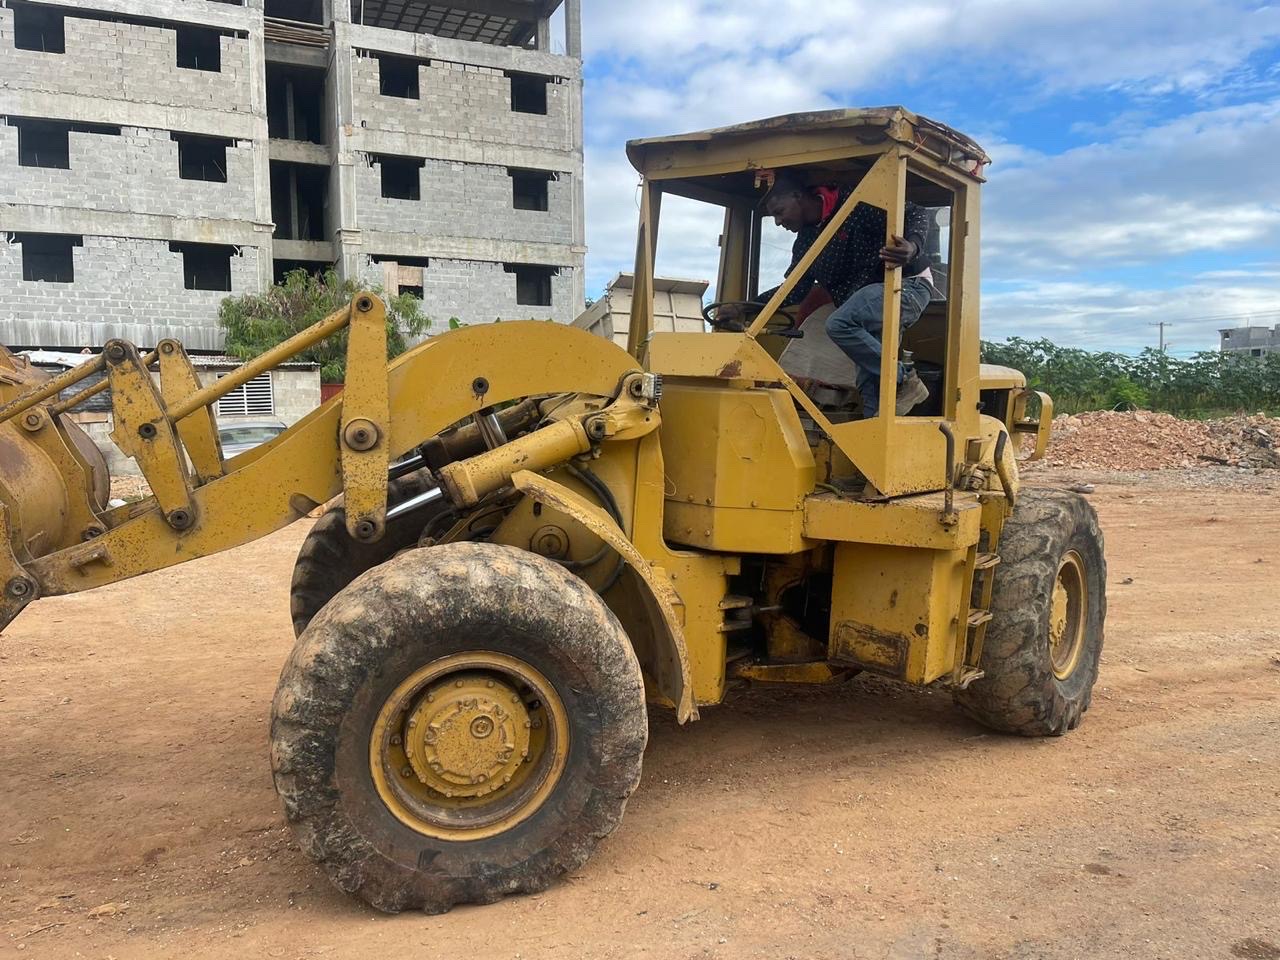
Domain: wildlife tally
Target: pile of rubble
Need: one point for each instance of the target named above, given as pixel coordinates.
(1139, 440)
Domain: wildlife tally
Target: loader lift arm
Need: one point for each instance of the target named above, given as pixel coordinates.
(342, 447)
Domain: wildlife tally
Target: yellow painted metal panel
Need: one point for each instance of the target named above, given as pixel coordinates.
(909, 521)
(670, 665)
(894, 609)
(738, 467)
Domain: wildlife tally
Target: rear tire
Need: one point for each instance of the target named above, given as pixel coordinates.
(1044, 641)
(399, 718)
(330, 558)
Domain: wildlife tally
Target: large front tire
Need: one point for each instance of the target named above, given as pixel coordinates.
(1044, 641)
(460, 723)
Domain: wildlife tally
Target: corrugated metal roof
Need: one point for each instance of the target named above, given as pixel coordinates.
(498, 22)
(58, 358)
(225, 361)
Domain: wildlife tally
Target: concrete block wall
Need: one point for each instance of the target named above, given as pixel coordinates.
(296, 394)
(128, 61)
(123, 287)
(463, 200)
(461, 101)
(135, 172)
(478, 291)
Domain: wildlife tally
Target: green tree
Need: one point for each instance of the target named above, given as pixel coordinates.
(256, 322)
(1209, 382)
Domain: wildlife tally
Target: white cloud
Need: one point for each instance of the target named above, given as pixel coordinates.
(1111, 316)
(1203, 182)
(1147, 191)
(841, 44)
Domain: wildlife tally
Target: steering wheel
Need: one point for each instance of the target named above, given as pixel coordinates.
(782, 322)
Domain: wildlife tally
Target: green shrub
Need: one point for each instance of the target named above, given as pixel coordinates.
(256, 322)
(1127, 395)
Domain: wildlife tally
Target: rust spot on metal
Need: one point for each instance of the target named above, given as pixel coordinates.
(871, 648)
(730, 370)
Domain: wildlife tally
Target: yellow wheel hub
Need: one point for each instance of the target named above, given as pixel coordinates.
(1067, 616)
(468, 736)
(469, 745)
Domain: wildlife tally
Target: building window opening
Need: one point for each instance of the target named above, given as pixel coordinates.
(295, 103)
(47, 143)
(298, 193)
(43, 144)
(199, 49)
(528, 92)
(47, 256)
(201, 158)
(398, 77)
(299, 11)
(205, 266)
(529, 189)
(400, 260)
(253, 398)
(281, 269)
(401, 176)
(533, 284)
(39, 28)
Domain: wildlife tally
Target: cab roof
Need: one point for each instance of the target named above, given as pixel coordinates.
(863, 125)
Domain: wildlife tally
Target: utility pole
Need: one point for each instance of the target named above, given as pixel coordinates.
(1162, 324)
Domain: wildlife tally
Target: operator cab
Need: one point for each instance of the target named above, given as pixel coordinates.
(885, 156)
(726, 173)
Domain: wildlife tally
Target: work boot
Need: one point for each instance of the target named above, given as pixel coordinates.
(911, 393)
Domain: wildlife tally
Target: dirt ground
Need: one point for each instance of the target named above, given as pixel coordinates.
(137, 816)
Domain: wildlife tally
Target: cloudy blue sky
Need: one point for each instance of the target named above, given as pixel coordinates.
(1136, 144)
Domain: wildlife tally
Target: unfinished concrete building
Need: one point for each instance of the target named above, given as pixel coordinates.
(1251, 341)
(156, 155)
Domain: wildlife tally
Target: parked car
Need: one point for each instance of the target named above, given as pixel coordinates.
(236, 438)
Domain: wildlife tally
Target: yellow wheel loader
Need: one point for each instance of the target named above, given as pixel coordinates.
(541, 532)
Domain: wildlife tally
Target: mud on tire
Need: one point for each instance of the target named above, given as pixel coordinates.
(1051, 535)
(330, 558)
(414, 610)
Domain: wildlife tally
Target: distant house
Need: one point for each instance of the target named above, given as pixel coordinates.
(1254, 341)
(286, 395)
(677, 308)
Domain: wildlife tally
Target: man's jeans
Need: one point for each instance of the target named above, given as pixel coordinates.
(855, 328)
